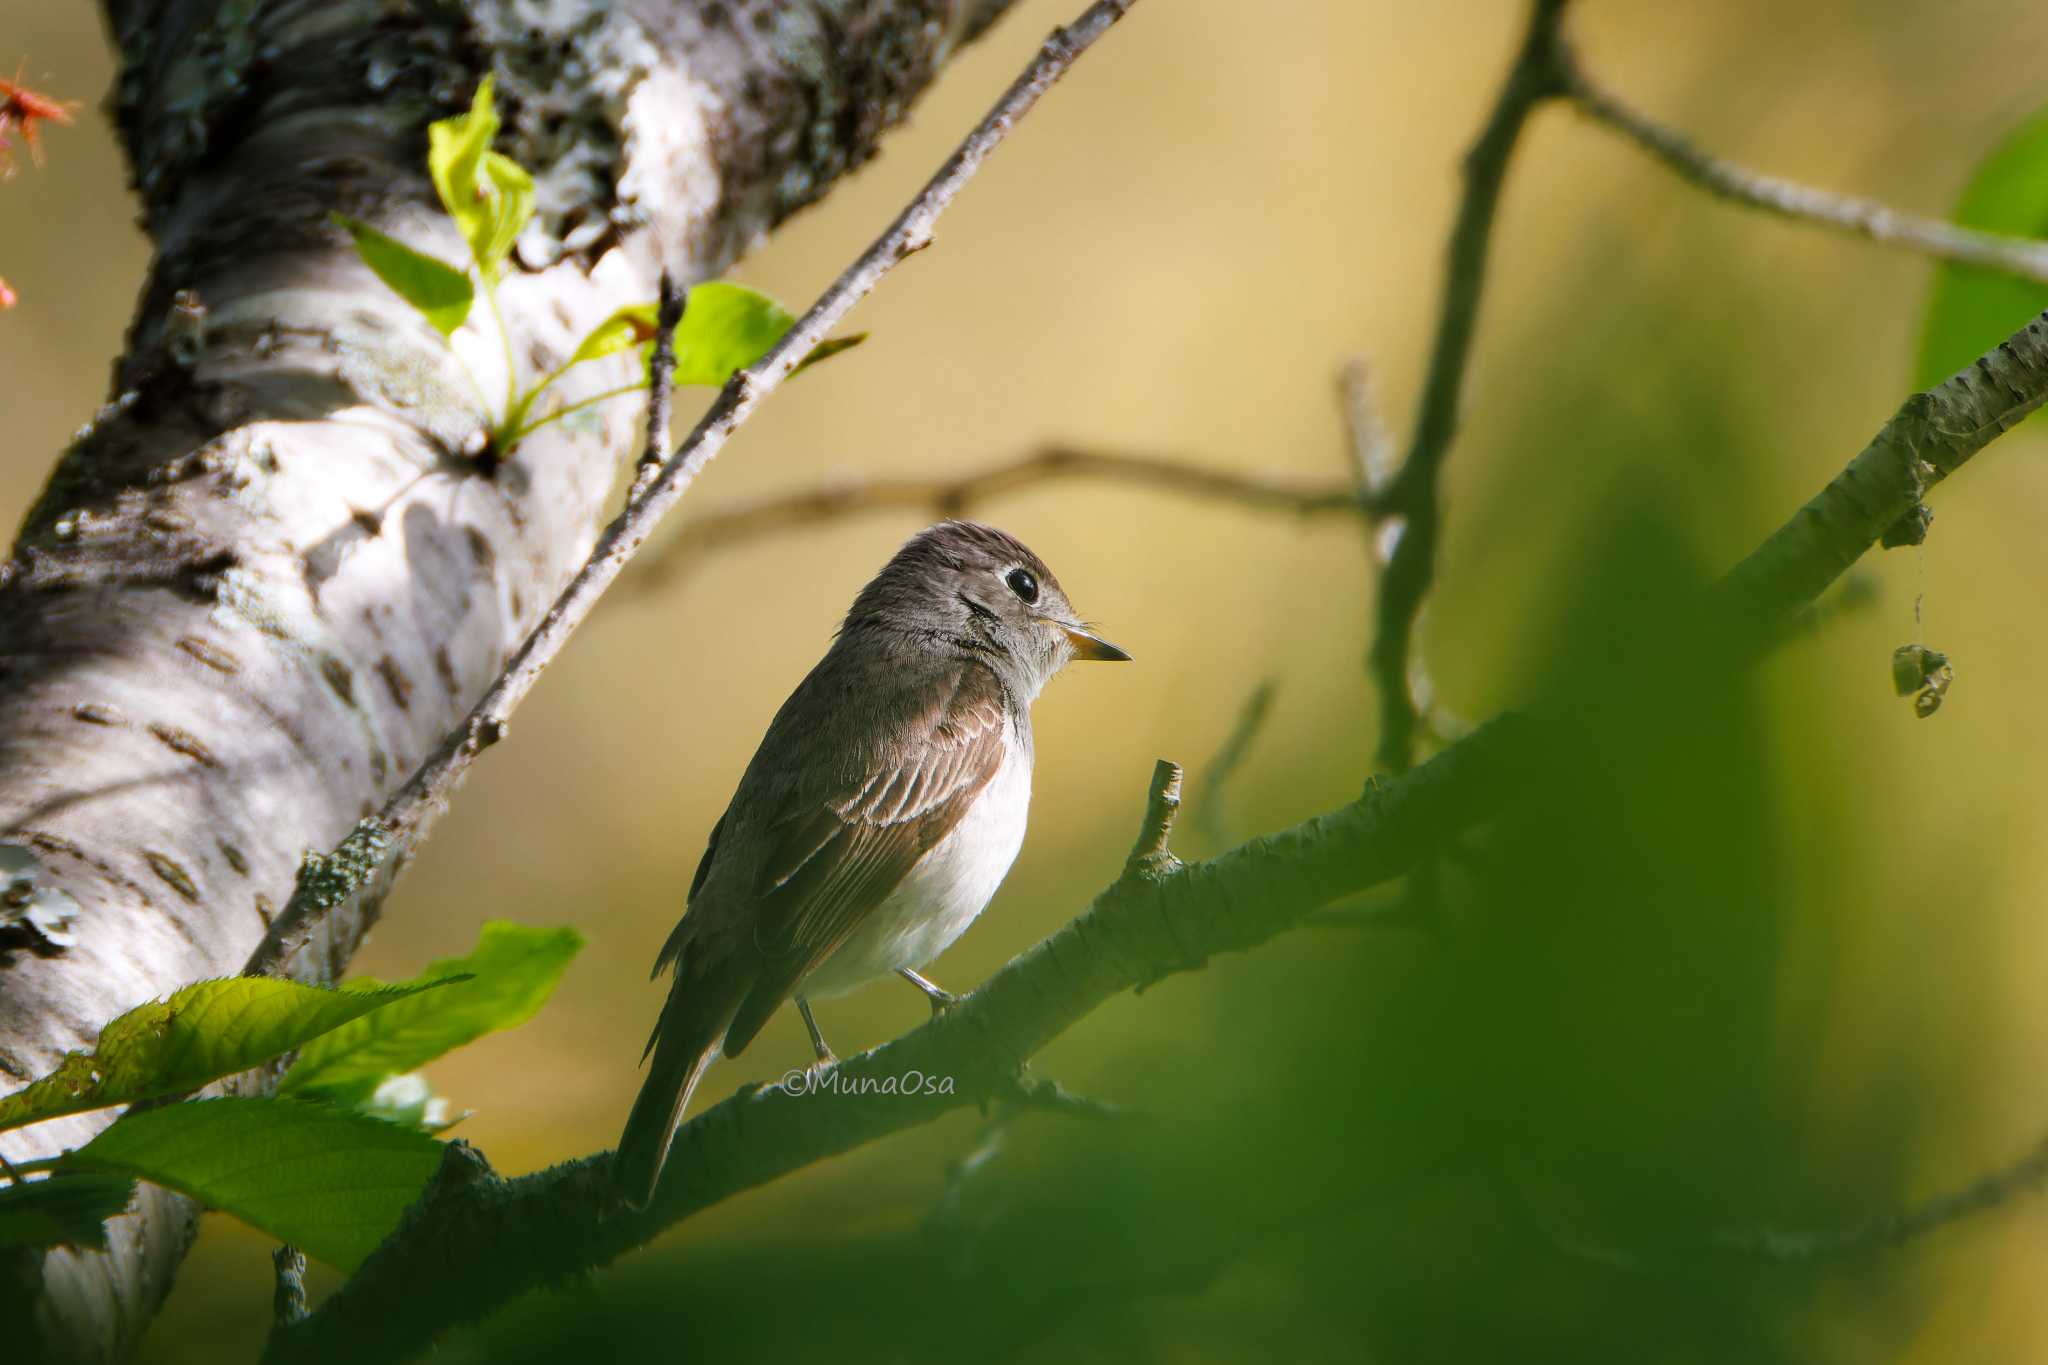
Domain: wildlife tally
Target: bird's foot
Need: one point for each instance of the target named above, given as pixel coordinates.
(940, 1000)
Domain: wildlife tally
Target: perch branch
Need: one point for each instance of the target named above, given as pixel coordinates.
(375, 850)
(495, 1239)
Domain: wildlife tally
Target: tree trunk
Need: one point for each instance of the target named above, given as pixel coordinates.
(273, 573)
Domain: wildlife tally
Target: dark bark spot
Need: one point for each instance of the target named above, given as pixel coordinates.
(174, 875)
(339, 677)
(97, 713)
(45, 842)
(396, 682)
(236, 858)
(184, 742)
(213, 656)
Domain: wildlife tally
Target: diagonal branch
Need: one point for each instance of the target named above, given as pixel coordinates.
(489, 1240)
(375, 850)
(1789, 199)
(1414, 492)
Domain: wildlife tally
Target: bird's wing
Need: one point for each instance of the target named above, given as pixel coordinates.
(835, 860)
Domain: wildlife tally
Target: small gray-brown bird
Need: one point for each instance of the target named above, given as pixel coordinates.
(882, 810)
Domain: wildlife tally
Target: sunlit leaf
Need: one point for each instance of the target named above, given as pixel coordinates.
(510, 200)
(442, 293)
(326, 1180)
(488, 194)
(205, 1031)
(725, 328)
(508, 976)
(1973, 309)
(455, 154)
(67, 1209)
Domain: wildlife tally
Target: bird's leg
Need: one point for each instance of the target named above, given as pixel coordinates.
(941, 1000)
(818, 1045)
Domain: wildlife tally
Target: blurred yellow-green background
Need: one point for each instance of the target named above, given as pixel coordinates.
(1175, 255)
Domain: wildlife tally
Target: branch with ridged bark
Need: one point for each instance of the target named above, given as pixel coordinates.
(483, 1240)
(268, 580)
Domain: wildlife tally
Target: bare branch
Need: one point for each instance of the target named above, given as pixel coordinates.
(382, 842)
(1985, 1192)
(1162, 808)
(1413, 493)
(288, 1299)
(661, 376)
(490, 1240)
(958, 495)
(1860, 217)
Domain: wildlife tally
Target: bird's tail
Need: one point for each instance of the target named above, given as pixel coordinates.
(689, 1038)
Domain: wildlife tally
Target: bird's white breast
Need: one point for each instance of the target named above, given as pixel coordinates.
(945, 889)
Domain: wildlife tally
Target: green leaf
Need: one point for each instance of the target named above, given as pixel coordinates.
(511, 973)
(203, 1032)
(488, 194)
(1973, 309)
(329, 1181)
(511, 200)
(826, 349)
(442, 293)
(725, 328)
(71, 1209)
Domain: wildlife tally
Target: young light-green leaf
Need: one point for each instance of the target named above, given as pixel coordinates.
(488, 194)
(1973, 309)
(510, 199)
(329, 1181)
(455, 155)
(442, 293)
(205, 1031)
(511, 973)
(71, 1209)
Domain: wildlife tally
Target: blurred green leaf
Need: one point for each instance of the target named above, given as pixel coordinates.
(442, 293)
(1973, 309)
(324, 1179)
(68, 1209)
(205, 1031)
(510, 199)
(509, 975)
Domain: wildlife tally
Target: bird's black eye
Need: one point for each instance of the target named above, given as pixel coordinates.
(1023, 584)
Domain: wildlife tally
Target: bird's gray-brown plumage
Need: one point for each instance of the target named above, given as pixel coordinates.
(881, 811)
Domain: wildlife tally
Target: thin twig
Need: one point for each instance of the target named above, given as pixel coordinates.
(1879, 223)
(1371, 445)
(1210, 823)
(959, 494)
(381, 843)
(288, 1299)
(661, 375)
(1414, 492)
(1985, 1192)
(1162, 807)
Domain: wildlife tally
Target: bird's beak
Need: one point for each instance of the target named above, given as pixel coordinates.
(1088, 645)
